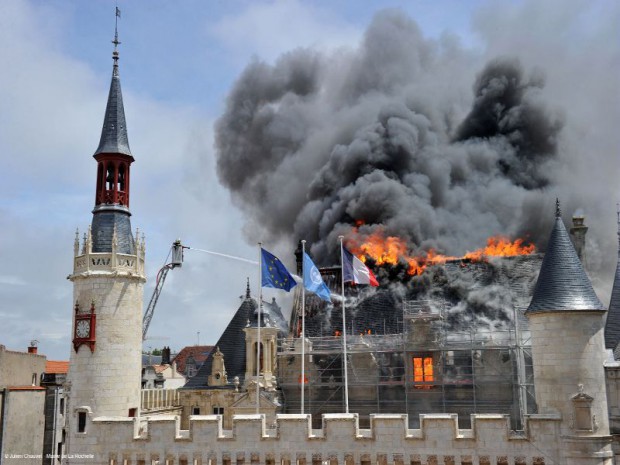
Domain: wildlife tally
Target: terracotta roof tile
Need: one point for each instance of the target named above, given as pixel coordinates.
(26, 388)
(199, 353)
(160, 368)
(56, 366)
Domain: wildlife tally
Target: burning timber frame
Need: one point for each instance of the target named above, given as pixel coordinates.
(423, 369)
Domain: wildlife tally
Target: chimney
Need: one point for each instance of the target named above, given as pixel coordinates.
(578, 236)
(32, 348)
(165, 356)
(299, 258)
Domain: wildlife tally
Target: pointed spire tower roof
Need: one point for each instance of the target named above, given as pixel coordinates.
(612, 325)
(111, 217)
(114, 132)
(562, 283)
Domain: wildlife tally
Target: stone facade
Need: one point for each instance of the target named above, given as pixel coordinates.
(106, 380)
(569, 354)
(612, 382)
(20, 368)
(22, 400)
(291, 440)
(22, 425)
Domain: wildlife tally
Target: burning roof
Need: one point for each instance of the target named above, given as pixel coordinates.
(473, 294)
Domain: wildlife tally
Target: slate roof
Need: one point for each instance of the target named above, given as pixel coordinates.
(114, 132)
(114, 140)
(149, 359)
(232, 340)
(105, 220)
(562, 283)
(482, 294)
(612, 325)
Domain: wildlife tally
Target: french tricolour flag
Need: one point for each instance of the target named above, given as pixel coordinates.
(355, 270)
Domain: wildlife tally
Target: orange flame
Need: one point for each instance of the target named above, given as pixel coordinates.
(392, 250)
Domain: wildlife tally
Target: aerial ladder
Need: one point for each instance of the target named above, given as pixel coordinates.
(176, 261)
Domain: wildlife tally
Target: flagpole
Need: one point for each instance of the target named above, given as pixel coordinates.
(260, 303)
(344, 329)
(303, 325)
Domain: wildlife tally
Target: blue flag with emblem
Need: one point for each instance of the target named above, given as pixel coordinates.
(313, 281)
(274, 273)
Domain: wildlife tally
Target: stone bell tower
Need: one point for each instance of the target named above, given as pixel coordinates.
(108, 277)
(566, 323)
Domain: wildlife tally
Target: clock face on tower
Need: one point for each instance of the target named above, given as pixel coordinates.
(82, 329)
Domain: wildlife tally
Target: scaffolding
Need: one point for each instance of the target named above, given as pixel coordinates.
(426, 367)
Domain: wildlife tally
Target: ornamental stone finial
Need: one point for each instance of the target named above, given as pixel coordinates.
(76, 243)
(88, 246)
(558, 210)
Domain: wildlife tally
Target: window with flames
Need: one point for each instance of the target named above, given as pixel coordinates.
(423, 370)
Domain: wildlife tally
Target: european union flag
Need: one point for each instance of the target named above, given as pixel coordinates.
(274, 273)
(313, 280)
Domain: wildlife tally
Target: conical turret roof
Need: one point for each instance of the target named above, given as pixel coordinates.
(114, 132)
(562, 283)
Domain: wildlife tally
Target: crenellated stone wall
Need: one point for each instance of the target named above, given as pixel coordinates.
(291, 440)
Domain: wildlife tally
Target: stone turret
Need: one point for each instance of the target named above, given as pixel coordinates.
(104, 378)
(566, 323)
(259, 330)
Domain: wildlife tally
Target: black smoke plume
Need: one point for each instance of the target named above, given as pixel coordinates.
(389, 135)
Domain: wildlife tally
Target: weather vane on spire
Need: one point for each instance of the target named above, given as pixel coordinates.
(116, 42)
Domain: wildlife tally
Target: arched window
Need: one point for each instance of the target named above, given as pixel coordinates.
(99, 177)
(121, 177)
(262, 354)
(109, 179)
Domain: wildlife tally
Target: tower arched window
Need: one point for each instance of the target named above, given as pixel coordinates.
(100, 179)
(109, 179)
(121, 177)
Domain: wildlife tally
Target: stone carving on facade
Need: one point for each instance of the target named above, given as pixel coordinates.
(582, 419)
